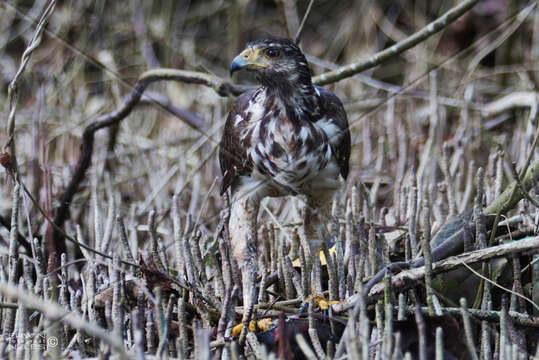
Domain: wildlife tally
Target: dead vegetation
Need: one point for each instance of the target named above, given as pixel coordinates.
(113, 240)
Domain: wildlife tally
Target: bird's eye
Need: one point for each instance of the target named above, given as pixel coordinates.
(272, 53)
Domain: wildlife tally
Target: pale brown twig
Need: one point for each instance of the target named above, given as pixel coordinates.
(414, 39)
(407, 278)
(54, 312)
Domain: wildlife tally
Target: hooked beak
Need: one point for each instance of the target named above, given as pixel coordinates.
(247, 59)
(238, 63)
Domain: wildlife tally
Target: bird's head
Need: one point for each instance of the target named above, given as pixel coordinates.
(275, 62)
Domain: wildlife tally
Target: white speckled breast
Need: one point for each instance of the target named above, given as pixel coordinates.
(289, 153)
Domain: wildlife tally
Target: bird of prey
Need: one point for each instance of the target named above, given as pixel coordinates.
(286, 137)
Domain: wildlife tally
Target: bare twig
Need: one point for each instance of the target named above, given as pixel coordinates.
(437, 25)
(297, 38)
(13, 85)
(142, 33)
(222, 87)
(508, 31)
(468, 329)
(422, 332)
(425, 243)
(161, 101)
(54, 312)
(517, 99)
(408, 278)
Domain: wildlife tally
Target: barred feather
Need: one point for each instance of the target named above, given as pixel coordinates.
(288, 132)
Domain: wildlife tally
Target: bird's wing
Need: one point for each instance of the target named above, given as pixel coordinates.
(232, 154)
(333, 110)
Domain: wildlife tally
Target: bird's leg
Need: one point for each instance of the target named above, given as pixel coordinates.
(242, 228)
(316, 214)
(315, 218)
(243, 237)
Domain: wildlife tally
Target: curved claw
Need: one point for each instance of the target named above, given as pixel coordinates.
(260, 325)
(332, 250)
(320, 302)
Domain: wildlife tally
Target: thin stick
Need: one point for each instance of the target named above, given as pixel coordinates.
(297, 38)
(222, 87)
(54, 312)
(437, 25)
(468, 328)
(427, 256)
(408, 278)
(13, 260)
(422, 332)
(313, 334)
(501, 287)
(13, 85)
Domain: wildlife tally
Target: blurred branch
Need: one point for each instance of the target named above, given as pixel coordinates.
(409, 278)
(289, 13)
(13, 85)
(220, 86)
(142, 33)
(520, 17)
(297, 38)
(189, 117)
(55, 312)
(437, 25)
(513, 100)
(21, 239)
(454, 243)
(488, 315)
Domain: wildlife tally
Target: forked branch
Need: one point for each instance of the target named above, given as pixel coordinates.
(437, 25)
(220, 86)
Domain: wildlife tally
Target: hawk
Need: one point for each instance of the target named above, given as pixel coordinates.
(287, 137)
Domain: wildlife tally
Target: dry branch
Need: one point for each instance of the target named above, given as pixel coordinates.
(72, 82)
(513, 100)
(220, 86)
(507, 200)
(188, 117)
(223, 88)
(439, 24)
(13, 85)
(494, 44)
(487, 315)
(54, 312)
(408, 278)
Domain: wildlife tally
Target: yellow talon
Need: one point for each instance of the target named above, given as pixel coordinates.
(317, 299)
(332, 250)
(262, 325)
(322, 303)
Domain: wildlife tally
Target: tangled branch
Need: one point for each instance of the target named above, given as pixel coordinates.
(220, 86)
(437, 25)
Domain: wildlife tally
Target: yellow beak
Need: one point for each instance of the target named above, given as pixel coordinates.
(247, 59)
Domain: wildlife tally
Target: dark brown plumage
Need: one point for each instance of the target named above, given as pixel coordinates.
(287, 137)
